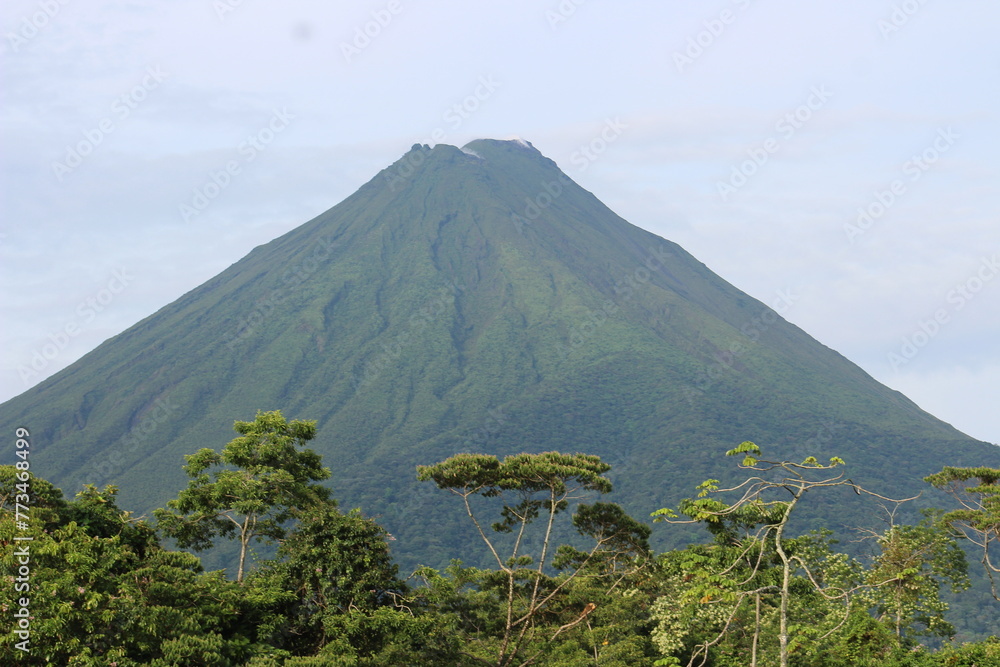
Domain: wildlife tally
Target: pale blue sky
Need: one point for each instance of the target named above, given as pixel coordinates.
(832, 99)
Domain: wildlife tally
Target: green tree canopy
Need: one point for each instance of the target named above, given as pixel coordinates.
(260, 479)
(906, 577)
(331, 565)
(977, 518)
(103, 591)
(530, 487)
(754, 557)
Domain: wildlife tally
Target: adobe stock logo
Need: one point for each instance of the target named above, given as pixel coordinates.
(430, 311)
(563, 12)
(293, 277)
(588, 153)
(122, 107)
(455, 115)
(786, 126)
(115, 458)
(225, 7)
(366, 34)
(86, 312)
(900, 16)
(726, 358)
(958, 298)
(913, 169)
(31, 25)
(551, 190)
(625, 290)
(706, 38)
(220, 179)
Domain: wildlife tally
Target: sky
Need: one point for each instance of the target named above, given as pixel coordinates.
(838, 158)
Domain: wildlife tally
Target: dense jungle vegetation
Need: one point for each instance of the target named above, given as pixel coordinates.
(91, 584)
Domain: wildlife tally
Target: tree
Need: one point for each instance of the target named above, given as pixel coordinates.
(977, 491)
(907, 576)
(331, 566)
(529, 487)
(265, 479)
(750, 534)
(102, 591)
(45, 500)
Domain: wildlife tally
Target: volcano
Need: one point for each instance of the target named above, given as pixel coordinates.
(475, 299)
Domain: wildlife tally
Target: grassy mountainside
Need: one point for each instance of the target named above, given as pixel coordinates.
(475, 300)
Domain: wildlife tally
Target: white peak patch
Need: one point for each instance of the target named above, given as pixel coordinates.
(519, 140)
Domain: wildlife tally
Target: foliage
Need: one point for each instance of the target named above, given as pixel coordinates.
(907, 574)
(264, 479)
(977, 492)
(979, 654)
(817, 590)
(530, 602)
(740, 571)
(102, 590)
(333, 583)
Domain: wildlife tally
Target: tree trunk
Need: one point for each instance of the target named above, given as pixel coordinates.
(244, 540)
(756, 631)
(899, 614)
(783, 631)
(786, 577)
